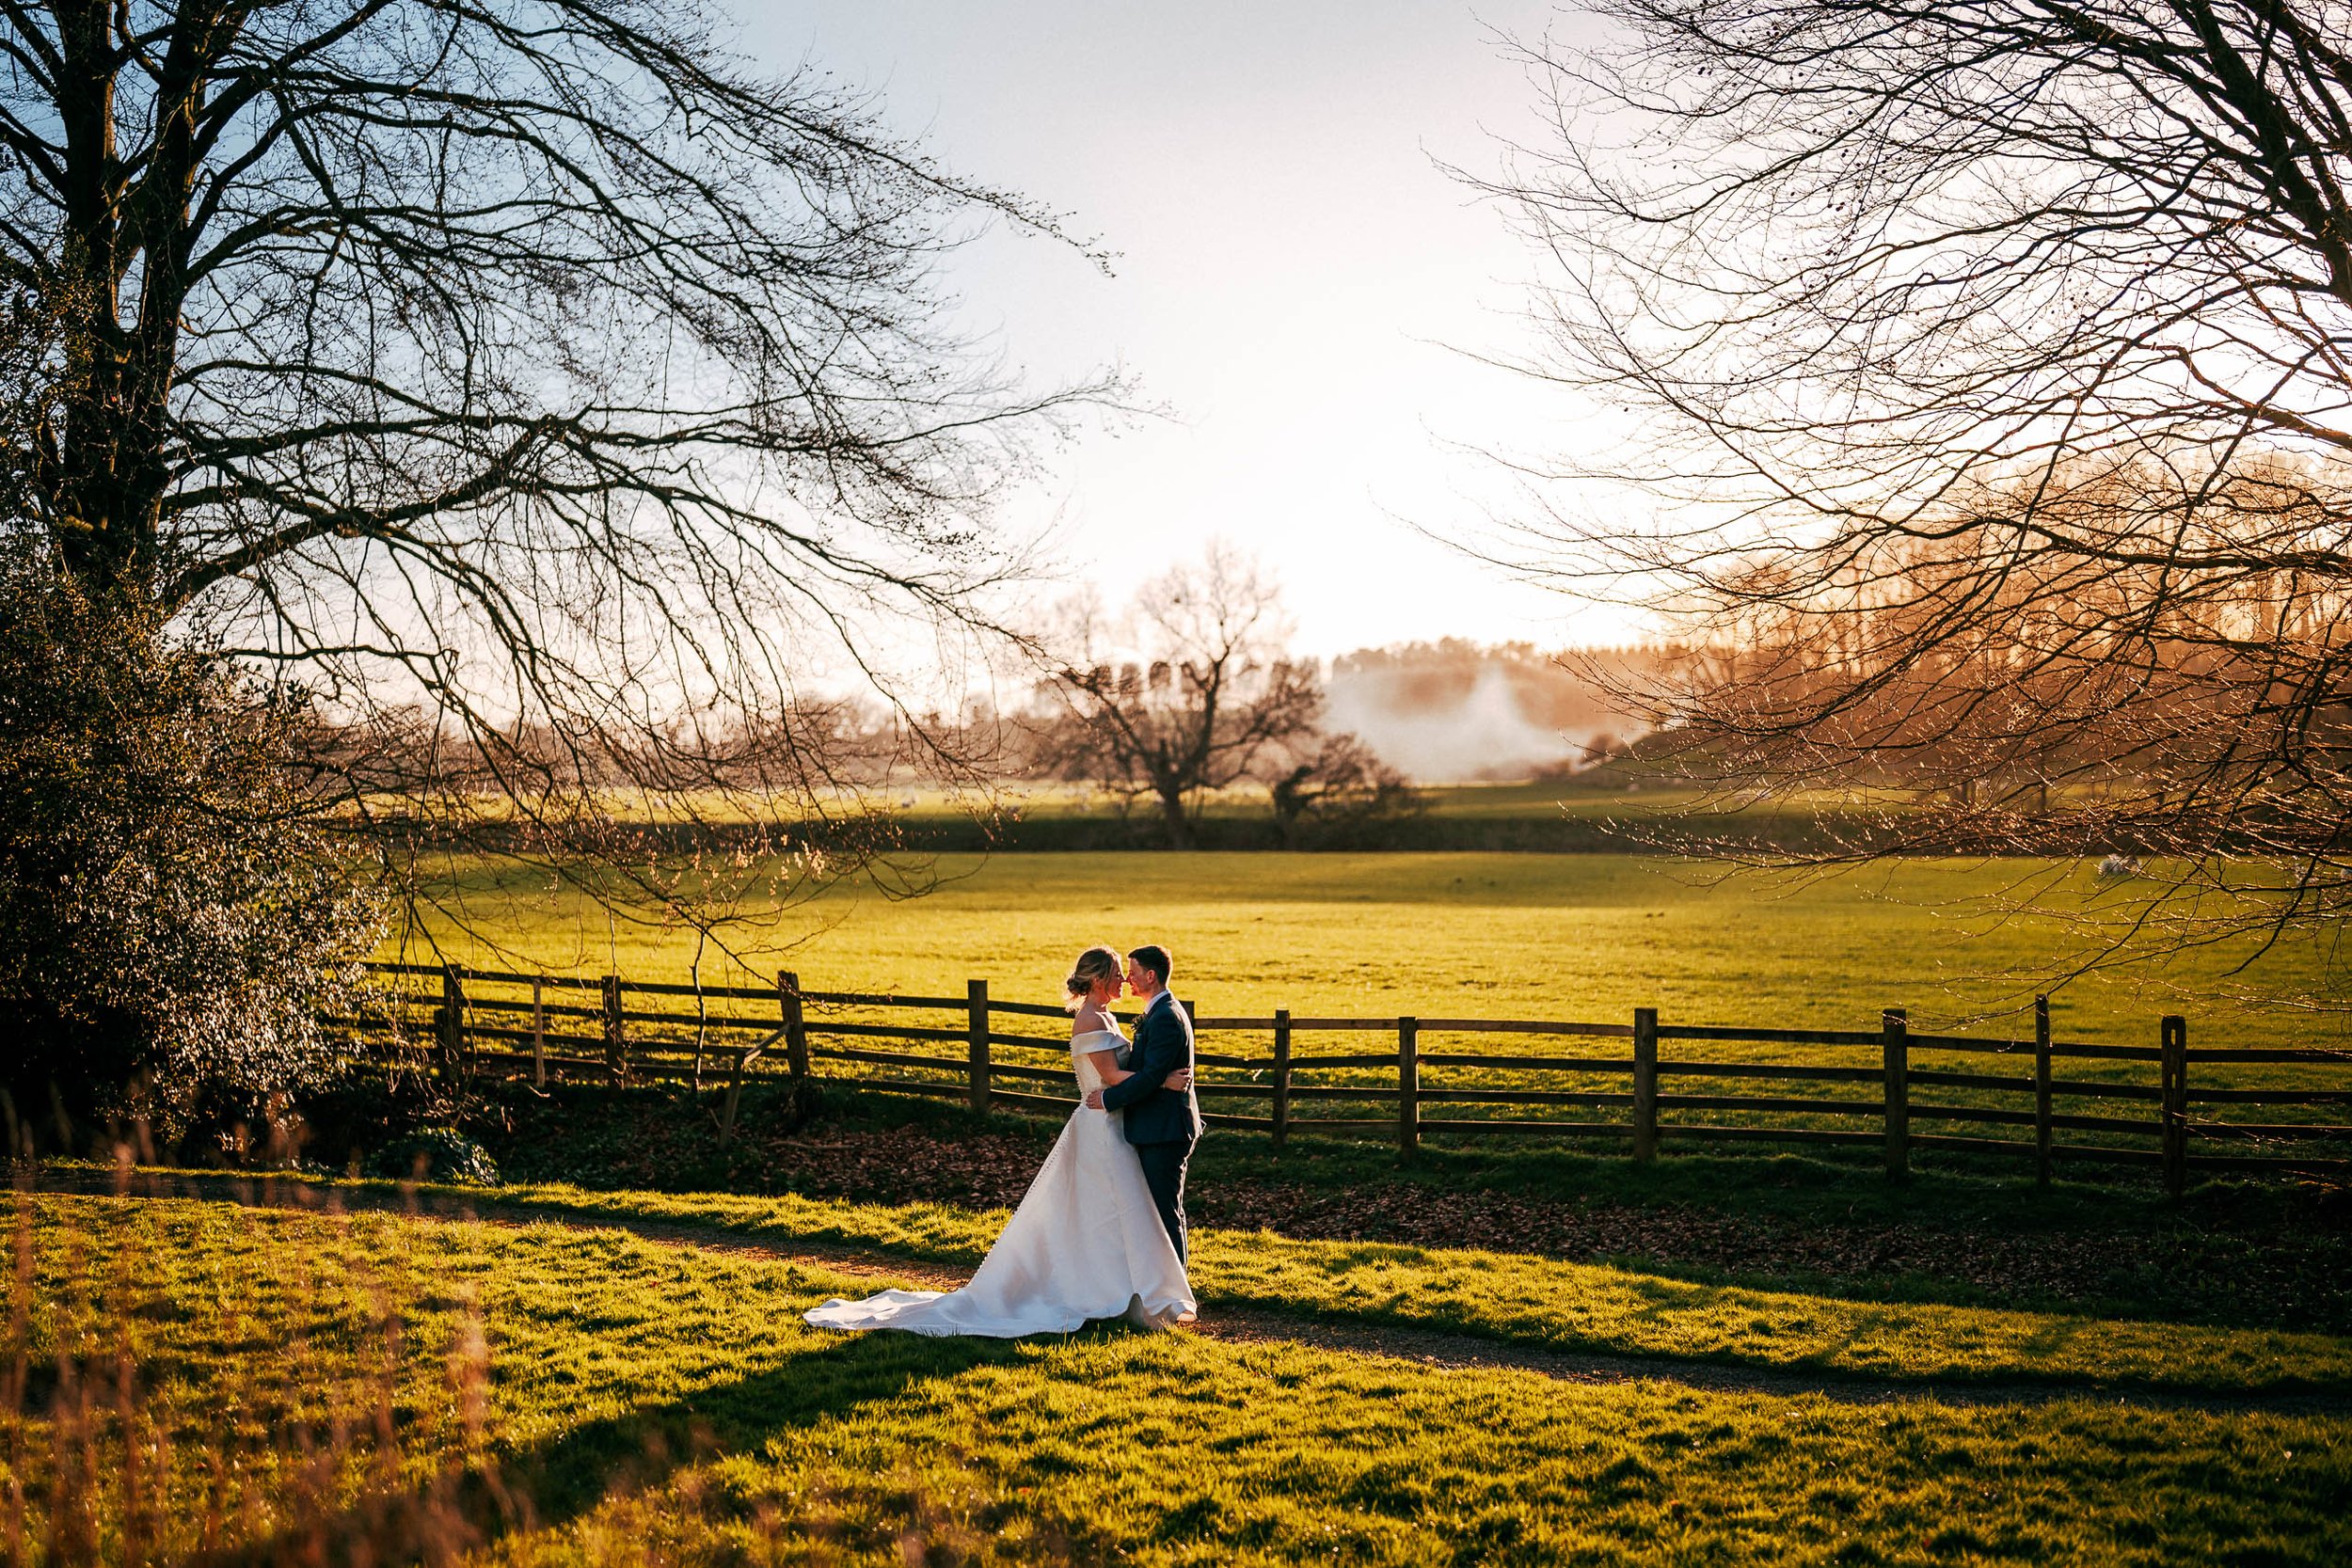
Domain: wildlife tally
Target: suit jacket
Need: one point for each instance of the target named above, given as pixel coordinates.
(1163, 1043)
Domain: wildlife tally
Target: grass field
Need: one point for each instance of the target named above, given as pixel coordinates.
(241, 1387)
(2232, 1251)
(465, 1392)
(1575, 1307)
(1524, 935)
(1489, 935)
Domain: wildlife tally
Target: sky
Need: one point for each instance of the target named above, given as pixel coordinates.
(1296, 278)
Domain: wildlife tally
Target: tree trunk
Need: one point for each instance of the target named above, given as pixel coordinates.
(1289, 795)
(1173, 815)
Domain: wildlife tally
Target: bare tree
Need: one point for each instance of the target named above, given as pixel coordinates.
(1989, 368)
(528, 379)
(1185, 694)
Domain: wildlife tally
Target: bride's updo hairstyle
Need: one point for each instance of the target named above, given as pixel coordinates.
(1094, 964)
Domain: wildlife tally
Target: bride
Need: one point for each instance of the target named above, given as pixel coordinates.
(1087, 1241)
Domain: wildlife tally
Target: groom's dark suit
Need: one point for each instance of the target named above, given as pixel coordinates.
(1162, 1123)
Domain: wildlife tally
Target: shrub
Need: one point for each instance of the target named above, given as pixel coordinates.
(175, 912)
(436, 1154)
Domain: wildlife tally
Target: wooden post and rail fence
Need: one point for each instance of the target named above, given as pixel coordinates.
(487, 1022)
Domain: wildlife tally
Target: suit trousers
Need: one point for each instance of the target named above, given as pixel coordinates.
(1164, 1173)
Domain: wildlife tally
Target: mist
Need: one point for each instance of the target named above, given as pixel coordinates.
(1460, 712)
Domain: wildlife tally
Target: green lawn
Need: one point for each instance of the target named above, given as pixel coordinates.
(473, 1393)
(2234, 1250)
(1575, 1307)
(1504, 936)
(1483, 935)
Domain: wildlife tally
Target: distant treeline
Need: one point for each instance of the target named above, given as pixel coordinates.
(1588, 821)
(1587, 826)
(1536, 831)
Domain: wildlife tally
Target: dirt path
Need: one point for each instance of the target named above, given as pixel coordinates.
(1237, 1325)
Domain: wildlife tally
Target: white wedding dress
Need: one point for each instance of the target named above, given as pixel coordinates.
(1085, 1243)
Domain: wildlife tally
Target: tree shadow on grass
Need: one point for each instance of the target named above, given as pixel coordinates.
(468, 1504)
(1664, 1295)
(2241, 1258)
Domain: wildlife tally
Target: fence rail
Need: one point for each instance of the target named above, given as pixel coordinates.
(482, 1021)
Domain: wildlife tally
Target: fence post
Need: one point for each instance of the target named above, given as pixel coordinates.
(616, 1039)
(1646, 1084)
(1192, 1015)
(449, 1023)
(795, 1040)
(2042, 1089)
(976, 1010)
(2175, 1064)
(1407, 1086)
(1281, 1077)
(735, 1081)
(538, 1032)
(1894, 1039)
(734, 1095)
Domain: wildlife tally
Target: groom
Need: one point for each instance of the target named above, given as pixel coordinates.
(1162, 1123)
